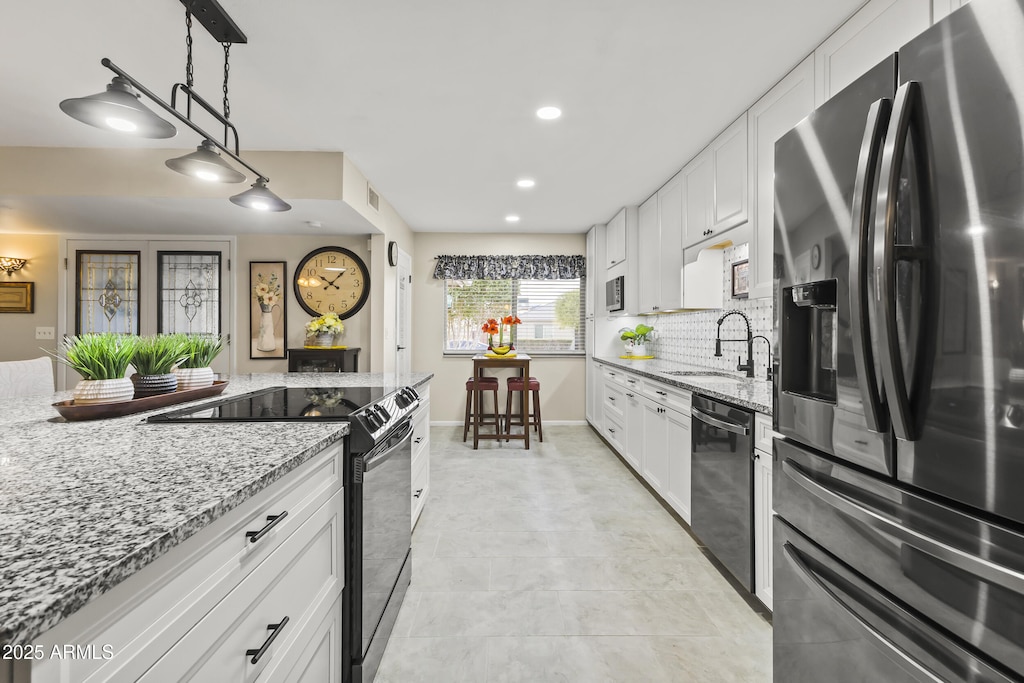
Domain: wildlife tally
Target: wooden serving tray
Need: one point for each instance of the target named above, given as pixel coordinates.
(74, 413)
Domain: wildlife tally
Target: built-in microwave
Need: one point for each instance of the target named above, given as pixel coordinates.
(613, 295)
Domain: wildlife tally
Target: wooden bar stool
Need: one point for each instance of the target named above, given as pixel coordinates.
(516, 384)
(483, 384)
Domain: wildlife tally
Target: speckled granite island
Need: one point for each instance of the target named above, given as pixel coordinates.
(87, 506)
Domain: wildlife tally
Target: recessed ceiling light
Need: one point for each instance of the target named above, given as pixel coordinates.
(511, 218)
(549, 113)
(526, 182)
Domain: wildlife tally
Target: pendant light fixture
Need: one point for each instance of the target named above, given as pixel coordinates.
(260, 198)
(120, 109)
(206, 164)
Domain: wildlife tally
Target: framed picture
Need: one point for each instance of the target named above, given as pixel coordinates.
(741, 279)
(17, 297)
(268, 320)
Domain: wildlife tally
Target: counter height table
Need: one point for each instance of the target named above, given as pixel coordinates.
(521, 362)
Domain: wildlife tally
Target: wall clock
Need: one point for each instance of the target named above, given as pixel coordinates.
(332, 280)
(393, 253)
(815, 256)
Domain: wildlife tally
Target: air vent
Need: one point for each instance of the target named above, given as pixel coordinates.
(372, 198)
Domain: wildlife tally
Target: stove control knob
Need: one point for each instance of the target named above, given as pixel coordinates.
(382, 413)
(1015, 415)
(372, 420)
(402, 400)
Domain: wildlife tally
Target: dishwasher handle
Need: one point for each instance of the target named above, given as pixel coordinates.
(715, 421)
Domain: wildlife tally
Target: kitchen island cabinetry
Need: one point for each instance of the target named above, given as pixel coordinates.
(763, 515)
(421, 454)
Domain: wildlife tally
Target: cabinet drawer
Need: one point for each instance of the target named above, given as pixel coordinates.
(296, 581)
(147, 613)
(611, 374)
(420, 435)
(614, 432)
(420, 488)
(667, 396)
(763, 433)
(631, 382)
(614, 399)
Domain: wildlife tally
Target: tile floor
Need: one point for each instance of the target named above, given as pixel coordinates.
(556, 564)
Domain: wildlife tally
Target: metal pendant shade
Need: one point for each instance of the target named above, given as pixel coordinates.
(260, 198)
(118, 108)
(206, 164)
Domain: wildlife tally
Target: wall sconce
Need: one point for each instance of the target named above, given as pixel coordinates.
(10, 264)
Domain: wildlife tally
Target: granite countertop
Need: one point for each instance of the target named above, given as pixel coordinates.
(83, 505)
(755, 394)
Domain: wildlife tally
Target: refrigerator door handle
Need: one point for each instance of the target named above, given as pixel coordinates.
(1006, 577)
(727, 425)
(867, 165)
(886, 255)
(832, 589)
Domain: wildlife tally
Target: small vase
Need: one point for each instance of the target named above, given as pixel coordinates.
(194, 378)
(152, 385)
(321, 340)
(266, 341)
(92, 391)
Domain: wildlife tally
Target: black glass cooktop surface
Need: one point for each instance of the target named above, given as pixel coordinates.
(280, 403)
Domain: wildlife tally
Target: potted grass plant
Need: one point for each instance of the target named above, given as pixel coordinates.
(101, 360)
(194, 370)
(154, 361)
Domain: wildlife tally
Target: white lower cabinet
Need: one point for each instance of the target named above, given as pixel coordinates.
(680, 446)
(763, 527)
(634, 453)
(655, 445)
(421, 455)
(192, 613)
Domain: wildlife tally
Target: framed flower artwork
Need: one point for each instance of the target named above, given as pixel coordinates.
(268, 320)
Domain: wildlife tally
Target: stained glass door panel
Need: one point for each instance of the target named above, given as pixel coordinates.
(189, 292)
(107, 292)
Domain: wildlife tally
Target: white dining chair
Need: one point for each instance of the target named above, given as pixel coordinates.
(26, 377)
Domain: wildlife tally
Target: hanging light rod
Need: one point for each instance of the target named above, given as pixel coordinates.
(215, 20)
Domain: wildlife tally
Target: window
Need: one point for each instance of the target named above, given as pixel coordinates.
(551, 312)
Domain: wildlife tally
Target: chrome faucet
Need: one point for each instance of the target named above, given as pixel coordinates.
(749, 365)
(768, 369)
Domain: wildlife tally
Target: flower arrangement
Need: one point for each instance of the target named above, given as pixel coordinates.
(329, 323)
(268, 292)
(493, 325)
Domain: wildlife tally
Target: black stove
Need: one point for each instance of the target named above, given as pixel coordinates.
(281, 403)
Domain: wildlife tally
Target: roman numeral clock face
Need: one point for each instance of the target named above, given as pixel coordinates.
(332, 280)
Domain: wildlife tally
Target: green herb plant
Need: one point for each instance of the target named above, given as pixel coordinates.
(200, 350)
(98, 356)
(158, 354)
(641, 335)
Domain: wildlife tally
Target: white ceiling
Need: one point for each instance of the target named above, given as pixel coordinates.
(433, 101)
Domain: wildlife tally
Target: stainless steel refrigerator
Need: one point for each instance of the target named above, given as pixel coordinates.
(899, 480)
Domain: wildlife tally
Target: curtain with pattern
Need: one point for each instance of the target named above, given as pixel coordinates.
(529, 267)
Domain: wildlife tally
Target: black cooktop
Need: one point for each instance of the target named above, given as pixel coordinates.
(280, 403)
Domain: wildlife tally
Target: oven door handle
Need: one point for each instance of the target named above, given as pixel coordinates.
(727, 425)
(383, 451)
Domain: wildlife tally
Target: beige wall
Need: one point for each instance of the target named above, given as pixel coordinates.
(291, 249)
(562, 378)
(17, 330)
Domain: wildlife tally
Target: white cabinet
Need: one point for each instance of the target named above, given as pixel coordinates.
(763, 461)
(661, 248)
(772, 116)
(195, 609)
(421, 454)
(763, 527)
(615, 240)
(593, 391)
(716, 185)
(649, 279)
(656, 447)
(635, 433)
(942, 8)
(590, 300)
(677, 430)
(878, 29)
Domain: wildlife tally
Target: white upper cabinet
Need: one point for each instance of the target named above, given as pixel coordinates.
(661, 249)
(772, 116)
(670, 218)
(716, 185)
(878, 29)
(730, 159)
(649, 282)
(615, 240)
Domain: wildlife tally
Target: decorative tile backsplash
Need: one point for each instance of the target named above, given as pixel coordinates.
(689, 337)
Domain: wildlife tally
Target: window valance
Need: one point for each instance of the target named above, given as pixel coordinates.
(529, 267)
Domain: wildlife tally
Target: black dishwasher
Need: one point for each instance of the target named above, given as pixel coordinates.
(723, 483)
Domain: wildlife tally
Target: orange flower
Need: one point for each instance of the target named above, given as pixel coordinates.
(492, 321)
(485, 327)
(517, 321)
(491, 328)
(507, 320)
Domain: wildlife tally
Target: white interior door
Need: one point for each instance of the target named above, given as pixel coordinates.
(141, 286)
(403, 359)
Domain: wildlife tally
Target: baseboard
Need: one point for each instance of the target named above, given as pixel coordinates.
(554, 423)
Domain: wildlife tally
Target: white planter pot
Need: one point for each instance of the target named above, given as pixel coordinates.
(639, 349)
(194, 378)
(92, 391)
